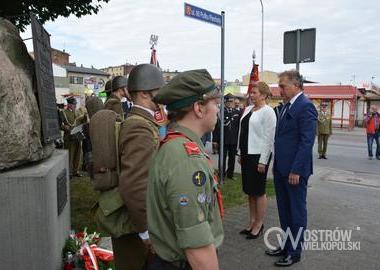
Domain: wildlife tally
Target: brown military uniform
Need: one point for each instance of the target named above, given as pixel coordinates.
(138, 141)
(72, 119)
(113, 103)
(324, 132)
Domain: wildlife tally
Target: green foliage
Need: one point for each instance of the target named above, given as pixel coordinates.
(17, 11)
(71, 246)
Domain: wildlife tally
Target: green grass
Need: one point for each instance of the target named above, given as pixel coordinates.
(83, 198)
(233, 194)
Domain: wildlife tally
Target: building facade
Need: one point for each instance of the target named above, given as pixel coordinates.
(121, 70)
(342, 101)
(85, 81)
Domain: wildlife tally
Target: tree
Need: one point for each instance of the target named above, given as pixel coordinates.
(17, 11)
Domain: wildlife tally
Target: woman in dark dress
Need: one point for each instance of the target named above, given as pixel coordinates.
(256, 137)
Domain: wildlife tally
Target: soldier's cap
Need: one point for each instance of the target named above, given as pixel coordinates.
(187, 88)
(229, 96)
(71, 100)
(108, 86)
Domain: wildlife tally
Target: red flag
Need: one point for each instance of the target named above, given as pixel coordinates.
(254, 77)
(153, 58)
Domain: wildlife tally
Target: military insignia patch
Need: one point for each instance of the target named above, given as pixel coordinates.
(199, 178)
(192, 148)
(202, 197)
(201, 216)
(183, 200)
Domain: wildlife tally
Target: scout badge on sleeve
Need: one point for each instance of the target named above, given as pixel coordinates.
(199, 178)
(183, 200)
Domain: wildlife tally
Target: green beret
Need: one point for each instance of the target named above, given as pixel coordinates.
(185, 89)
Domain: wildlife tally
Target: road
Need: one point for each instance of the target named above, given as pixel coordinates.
(344, 193)
(348, 152)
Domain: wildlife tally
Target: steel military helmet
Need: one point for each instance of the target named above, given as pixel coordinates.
(145, 77)
(108, 86)
(119, 82)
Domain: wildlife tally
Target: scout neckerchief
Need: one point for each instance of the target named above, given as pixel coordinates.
(192, 148)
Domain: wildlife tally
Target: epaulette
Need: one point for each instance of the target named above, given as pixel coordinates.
(192, 148)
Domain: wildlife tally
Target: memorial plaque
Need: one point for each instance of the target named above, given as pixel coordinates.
(61, 191)
(45, 82)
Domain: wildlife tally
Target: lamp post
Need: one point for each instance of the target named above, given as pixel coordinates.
(262, 36)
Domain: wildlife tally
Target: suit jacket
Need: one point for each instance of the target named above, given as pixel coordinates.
(294, 139)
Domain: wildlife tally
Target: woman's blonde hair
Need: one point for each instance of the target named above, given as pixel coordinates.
(263, 88)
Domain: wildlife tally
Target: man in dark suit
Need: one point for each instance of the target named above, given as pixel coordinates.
(231, 131)
(293, 164)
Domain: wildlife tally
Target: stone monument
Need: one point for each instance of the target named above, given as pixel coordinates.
(20, 121)
(34, 185)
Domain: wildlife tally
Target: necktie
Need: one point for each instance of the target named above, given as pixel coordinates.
(284, 110)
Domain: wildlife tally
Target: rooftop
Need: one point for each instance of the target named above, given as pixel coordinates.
(85, 70)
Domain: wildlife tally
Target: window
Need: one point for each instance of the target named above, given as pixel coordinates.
(76, 80)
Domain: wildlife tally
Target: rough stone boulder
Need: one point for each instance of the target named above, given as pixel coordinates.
(20, 122)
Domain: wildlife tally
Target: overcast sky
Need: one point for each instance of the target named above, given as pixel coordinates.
(347, 46)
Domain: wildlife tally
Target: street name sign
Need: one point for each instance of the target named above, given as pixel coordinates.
(203, 15)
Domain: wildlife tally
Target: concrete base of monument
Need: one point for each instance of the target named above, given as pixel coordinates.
(35, 214)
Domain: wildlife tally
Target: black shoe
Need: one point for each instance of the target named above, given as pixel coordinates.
(254, 236)
(320, 157)
(287, 261)
(324, 157)
(245, 232)
(275, 252)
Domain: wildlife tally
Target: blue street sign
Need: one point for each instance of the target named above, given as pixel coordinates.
(202, 14)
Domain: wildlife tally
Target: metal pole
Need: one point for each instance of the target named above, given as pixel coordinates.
(298, 49)
(262, 36)
(221, 146)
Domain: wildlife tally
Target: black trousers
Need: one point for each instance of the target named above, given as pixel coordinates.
(157, 263)
(230, 151)
(129, 251)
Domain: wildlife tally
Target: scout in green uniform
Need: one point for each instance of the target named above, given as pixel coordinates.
(324, 131)
(119, 91)
(71, 119)
(183, 209)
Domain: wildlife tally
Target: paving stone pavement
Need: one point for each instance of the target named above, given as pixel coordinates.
(331, 205)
